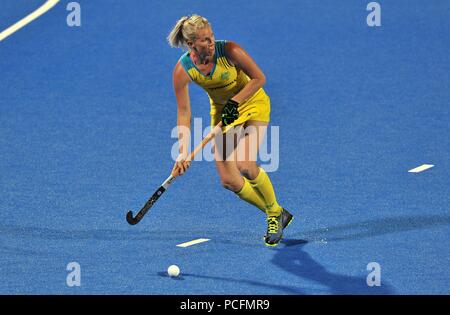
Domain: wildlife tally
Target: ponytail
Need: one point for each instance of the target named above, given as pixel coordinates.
(186, 29)
(176, 38)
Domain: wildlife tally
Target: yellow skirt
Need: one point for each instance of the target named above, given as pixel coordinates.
(256, 108)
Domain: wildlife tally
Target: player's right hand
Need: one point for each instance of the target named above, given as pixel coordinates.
(181, 165)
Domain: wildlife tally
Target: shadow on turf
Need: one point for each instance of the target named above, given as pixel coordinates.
(353, 231)
(291, 257)
(94, 234)
(281, 288)
(294, 259)
(293, 242)
(165, 275)
(376, 227)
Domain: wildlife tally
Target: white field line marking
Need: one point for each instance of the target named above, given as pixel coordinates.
(421, 168)
(28, 19)
(198, 241)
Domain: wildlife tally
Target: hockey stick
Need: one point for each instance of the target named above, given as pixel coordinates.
(165, 185)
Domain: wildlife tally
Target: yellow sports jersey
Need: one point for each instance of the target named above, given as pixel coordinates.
(224, 82)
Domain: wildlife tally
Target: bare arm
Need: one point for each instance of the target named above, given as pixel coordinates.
(180, 85)
(241, 59)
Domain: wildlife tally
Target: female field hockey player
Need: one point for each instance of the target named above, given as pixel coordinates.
(233, 82)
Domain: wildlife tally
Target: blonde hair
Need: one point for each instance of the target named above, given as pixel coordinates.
(186, 29)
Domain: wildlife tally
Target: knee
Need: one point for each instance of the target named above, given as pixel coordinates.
(230, 184)
(248, 169)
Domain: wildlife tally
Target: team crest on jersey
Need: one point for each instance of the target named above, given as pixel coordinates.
(225, 75)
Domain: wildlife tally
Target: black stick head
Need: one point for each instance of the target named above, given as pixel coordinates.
(130, 219)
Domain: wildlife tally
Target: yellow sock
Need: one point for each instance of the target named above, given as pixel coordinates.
(264, 186)
(249, 194)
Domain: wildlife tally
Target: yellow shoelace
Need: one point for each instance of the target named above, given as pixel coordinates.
(272, 225)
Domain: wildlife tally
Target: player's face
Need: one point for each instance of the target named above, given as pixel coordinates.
(204, 43)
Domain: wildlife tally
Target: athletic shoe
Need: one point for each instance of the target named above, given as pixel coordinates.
(286, 218)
